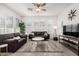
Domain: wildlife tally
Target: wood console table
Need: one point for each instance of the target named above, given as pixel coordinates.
(70, 41)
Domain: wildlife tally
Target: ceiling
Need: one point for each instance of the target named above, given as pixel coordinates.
(52, 9)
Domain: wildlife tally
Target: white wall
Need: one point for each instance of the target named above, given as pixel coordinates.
(40, 23)
(7, 18)
(64, 18)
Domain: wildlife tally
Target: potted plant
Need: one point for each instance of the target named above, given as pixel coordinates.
(22, 27)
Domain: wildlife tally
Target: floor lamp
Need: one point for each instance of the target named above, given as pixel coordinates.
(55, 34)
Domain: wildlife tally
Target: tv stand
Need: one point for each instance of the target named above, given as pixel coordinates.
(70, 41)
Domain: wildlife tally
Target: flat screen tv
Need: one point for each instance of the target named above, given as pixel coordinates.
(74, 28)
(71, 30)
(68, 28)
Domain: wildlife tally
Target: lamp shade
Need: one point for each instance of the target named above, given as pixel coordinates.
(55, 27)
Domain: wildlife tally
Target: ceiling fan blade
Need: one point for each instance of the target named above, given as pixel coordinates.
(30, 9)
(43, 9)
(39, 4)
(36, 4)
(43, 4)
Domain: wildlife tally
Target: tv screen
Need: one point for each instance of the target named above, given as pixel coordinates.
(74, 28)
(68, 28)
(64, 29)
(71, 30)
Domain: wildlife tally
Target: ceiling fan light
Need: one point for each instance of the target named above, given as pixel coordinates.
(38, 9)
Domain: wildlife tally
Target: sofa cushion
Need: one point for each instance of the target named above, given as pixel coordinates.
(40, 33)
(16, 34)
(4, 37)
(9, 40)
(20, 40)
(23, 36)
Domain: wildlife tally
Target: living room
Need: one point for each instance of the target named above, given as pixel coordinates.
(37, 28)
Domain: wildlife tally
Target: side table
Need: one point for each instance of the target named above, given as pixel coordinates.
(3, 46)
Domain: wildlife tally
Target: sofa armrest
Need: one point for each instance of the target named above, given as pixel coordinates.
(12, 45)
(47, 36)
(31, 36)
(23, 36)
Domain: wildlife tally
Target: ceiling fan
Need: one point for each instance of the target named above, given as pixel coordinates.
(38, 7)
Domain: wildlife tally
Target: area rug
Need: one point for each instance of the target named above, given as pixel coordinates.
(41, 46)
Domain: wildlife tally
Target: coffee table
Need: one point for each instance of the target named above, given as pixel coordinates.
(38, 39)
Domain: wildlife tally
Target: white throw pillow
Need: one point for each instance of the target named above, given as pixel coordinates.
(32, 34)
(45, 34)
(17, 38)
(10, 39)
